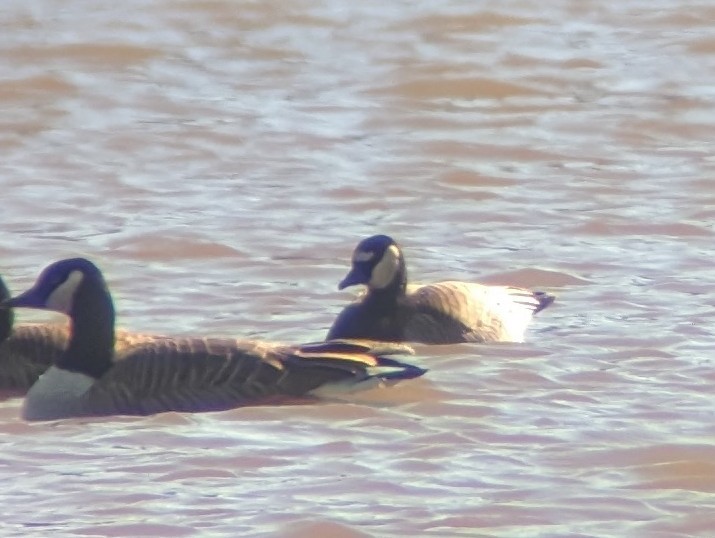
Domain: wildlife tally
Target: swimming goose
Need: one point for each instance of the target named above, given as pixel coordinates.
(179, 374)
(441, 313)
(27, 350)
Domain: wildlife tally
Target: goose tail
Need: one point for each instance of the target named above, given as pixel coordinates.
(391, 371)
(383, 372)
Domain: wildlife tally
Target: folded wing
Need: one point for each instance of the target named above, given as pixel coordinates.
(209, 374)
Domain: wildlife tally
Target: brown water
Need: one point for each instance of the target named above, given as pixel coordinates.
(221, 159)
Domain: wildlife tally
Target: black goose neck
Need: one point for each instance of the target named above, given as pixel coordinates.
(6, 314)
(6, 321)
(91, 344)
(391, 294)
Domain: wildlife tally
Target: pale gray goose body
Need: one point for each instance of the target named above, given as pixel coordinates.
(178, 374)
(441, 313)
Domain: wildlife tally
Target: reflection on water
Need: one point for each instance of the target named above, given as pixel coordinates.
(220, 161)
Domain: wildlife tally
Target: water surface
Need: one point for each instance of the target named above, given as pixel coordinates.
(221, 159)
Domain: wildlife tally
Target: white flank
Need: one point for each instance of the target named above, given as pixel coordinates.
(56, 394)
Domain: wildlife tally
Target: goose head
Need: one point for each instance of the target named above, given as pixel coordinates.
(62, 286)
(378, 263)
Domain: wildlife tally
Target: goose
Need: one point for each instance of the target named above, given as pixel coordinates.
(180, 374)
(27, 350)
(441, 313)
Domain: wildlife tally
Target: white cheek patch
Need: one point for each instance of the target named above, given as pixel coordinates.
(62, 297)
(386, 269)
(363, 256)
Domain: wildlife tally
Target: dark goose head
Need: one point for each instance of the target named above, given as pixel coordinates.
(378, 263)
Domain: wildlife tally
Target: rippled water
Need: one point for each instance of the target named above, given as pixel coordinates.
(221, 159)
